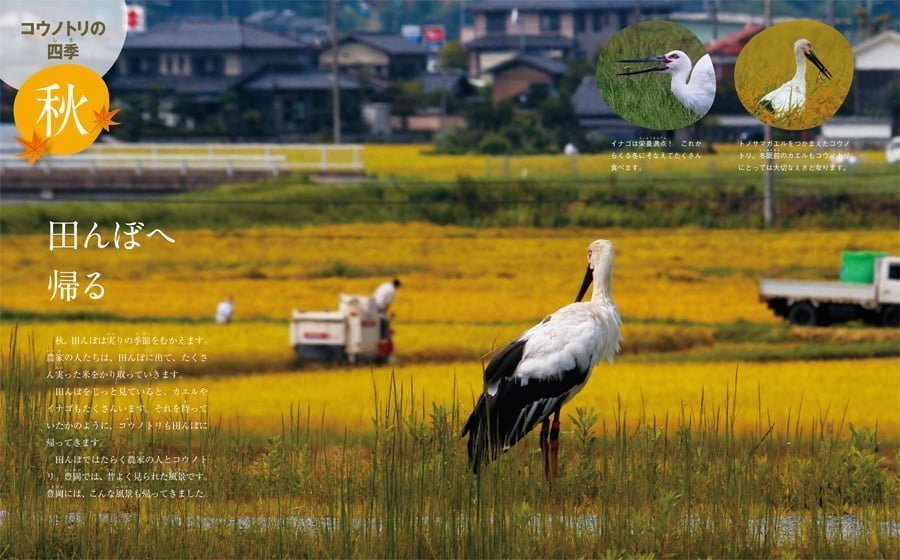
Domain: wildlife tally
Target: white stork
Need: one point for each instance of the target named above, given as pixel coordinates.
(694, 88)
(539, 372)
(791, 95)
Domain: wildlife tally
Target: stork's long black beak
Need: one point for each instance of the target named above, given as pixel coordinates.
(658, 58)
(585, 284)
(815, 60)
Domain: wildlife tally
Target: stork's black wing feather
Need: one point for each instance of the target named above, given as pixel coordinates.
(505, 363)
(502, 419)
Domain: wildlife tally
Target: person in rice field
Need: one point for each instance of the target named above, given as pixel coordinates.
(225, 310)
(384, 297)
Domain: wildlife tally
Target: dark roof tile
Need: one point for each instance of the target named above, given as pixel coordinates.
(507, 42)
(541, 63)
(178, 84)
(300, 80)
(587, 100)
(388, 43)
(214, 34)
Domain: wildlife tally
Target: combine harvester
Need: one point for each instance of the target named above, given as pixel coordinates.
(356, 333)
(869, 289)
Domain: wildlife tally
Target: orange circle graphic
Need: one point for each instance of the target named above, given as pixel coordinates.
(62, 104)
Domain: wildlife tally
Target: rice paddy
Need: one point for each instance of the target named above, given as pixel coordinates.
(720, 431)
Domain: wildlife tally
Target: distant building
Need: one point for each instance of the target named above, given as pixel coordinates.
(311, 30)
(188, 49)
(876, 74)
(515, 76)
(452, 80)
(295, 101)
(557, 29)
(861, 132)
(191, 64)
(380, 57)
(724, 53)
(595, 116)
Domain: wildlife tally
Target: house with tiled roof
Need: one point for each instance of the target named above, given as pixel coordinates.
(877, 76)
(380, 57)
(596, 117)
(192, 64)
(514, 77)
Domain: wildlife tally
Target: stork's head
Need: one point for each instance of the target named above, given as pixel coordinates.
(804, 47)
(599, 269)
(673, 62)
(677, 62)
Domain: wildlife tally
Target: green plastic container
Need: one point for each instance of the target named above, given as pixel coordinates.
(859, 266)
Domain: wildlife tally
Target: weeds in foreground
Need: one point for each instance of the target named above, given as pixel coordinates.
(686, 486)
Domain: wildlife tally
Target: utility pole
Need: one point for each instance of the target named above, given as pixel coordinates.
(335, 84)
(714, 16)
(769, 152)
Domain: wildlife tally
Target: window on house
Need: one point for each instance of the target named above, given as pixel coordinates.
(597, 22)
(496, 22)
(580, 22)
(297, 112)
(142, 65)
(550, 21)
(208, 65)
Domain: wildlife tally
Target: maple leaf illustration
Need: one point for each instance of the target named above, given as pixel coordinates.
(35, 149)
(104, 118)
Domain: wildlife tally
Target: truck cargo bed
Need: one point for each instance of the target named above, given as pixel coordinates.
(838, 292)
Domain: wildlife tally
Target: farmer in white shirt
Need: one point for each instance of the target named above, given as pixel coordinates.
(225, 310)
(384, 296)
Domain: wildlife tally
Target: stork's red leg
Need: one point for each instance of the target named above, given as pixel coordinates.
(554, 445)
(545, 447)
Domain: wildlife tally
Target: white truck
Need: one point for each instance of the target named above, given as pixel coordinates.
(823, 303)
(357, 332)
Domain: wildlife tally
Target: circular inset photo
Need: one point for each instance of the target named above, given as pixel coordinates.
(794, 75)
(656, 74)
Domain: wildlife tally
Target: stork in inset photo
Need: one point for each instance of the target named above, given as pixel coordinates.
(530, 380)
(791, 95)
(694, 86)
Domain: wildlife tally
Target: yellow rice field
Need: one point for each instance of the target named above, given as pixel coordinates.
(465, 292)
(863, 392)
(415, 161)
(449, 273)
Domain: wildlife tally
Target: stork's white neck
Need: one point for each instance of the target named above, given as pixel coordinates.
(602, 279)
(800, 74)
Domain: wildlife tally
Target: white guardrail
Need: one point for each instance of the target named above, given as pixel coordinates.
(273, 158)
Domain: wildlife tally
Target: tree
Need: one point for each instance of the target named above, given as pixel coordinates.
(453, 55)
(405, 99)
(231, 113)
